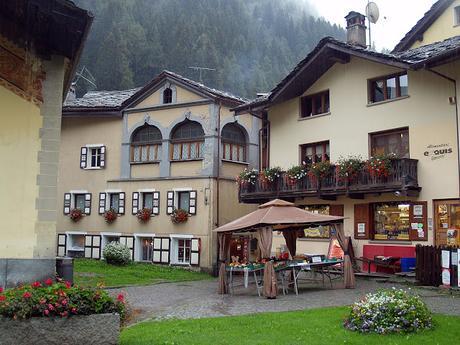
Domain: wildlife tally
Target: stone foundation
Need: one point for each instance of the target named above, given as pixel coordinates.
(16, 271)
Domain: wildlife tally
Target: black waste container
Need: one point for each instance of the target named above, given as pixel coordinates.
(64, 268)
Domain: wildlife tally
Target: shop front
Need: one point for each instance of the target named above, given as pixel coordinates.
(447, 222)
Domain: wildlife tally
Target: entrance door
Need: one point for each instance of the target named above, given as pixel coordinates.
(447, 222)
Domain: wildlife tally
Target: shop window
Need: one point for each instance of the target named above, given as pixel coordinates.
(392, 221)
(391, 142)
(388, 87)
(233, 143)
(447, 227)
(146, 145)
(187, 141)
(314, 153)
(315, 104)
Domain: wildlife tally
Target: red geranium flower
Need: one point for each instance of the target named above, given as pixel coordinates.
(50, 307)
(27, 294)
(2, 298)
(49, 281)
(36, 284)
(74, 310)
(64, 302)
(1, 289)
(121, 298)
(68, 285)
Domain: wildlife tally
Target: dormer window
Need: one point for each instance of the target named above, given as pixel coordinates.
(457, 16)
(167, 95)
(316, 104)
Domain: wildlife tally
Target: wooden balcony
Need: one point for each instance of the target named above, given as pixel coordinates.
(402, 180)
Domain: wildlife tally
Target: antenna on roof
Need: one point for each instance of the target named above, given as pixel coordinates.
(201, 69)
(372, 13)
(86, 75)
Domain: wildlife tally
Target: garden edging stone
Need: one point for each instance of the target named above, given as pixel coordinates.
(79, 329)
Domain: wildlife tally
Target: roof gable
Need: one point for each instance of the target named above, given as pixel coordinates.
(422, 25)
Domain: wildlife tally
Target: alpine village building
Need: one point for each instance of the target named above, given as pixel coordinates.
(40, 45)
(146, 153)
(344, 99)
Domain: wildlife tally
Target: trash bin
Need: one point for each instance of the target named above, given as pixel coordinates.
(408, 264)
(64, 268)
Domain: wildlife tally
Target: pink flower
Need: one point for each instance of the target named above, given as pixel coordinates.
(68, 285)
(36, 284)
(64, 302)
(50, 307)
(49, 281)
(74, 310)
(1, 289)
(121, 298)
(42, 301)
(64, 314)
(27, 294)
(46, 312)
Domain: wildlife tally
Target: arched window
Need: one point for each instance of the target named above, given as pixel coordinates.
(233, 143)
(146, 144)
(167, 95)
(187, 141)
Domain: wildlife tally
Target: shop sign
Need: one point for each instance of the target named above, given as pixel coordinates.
(437, 151)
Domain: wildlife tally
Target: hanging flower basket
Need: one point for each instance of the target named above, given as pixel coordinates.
(380, 166)
(75, 215)
(110, 216)
(144, 215)
(179, 216)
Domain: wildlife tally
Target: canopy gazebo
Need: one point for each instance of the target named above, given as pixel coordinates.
(279, 215)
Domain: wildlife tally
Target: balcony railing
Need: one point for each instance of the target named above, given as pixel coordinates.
(402, 178)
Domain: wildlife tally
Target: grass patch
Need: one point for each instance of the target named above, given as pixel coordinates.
(91, 272)
(313, 327)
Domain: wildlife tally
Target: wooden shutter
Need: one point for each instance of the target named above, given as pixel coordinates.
(67, 202)
(103, 156)
(102, 202)
(128, 241)
(121, 203)
(135, 203)
(87, 204)
(192, 207)
(93, 246)
(363, 221)
(418, 221)
(170, 202)
(83, 157)
(161, 250)
(61, 245)
(195, 247)
(336, 210)
(156, 203)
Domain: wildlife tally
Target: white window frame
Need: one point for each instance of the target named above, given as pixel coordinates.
(141, 196)
(138, 244)
(72, 197)
(174, 249)
(176, 195)
(104, 241)
(69, 235)
(89, 148)
(107, 197)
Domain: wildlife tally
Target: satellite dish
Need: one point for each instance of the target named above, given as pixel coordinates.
(372, 12)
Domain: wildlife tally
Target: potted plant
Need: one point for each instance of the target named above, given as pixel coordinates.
(380, 165)
(75, 214)
(269, 175)
(110, 216)
(247, 177)
(348, 168)
(295, 174)
(179, 216)
(144, 215)
(320, 170)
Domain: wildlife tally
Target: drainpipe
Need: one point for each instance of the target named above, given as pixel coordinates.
(218, 180)
(456, 117)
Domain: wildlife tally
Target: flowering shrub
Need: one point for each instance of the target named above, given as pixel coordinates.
(179, 216)
(320, 170)
(389, 311)
(59, 299)
(144, 215)
(247, 176)
(110, 216)
(271, 174)
(116, 253)
(348, 168)
(75, 215)
(380, 166)
(296, 172)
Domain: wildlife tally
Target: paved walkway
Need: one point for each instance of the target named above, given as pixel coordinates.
(199, 299)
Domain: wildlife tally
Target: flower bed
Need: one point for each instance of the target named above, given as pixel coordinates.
(389, 311)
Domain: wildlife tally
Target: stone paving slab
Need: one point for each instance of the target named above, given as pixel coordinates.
(200, 299)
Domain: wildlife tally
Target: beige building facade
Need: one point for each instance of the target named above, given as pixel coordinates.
(343, 100)
(34, 76)
(173, 144)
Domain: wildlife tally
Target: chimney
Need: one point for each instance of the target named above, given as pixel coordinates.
(71, 94)
(356, 29)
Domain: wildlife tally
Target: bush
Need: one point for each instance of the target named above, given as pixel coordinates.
(117, 254)
(389, 311)
(57, 299)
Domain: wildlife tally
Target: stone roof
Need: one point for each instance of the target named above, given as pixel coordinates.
(101, 99)
(420, 27)
(429, 51)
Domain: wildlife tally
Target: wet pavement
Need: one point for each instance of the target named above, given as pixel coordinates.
(200, 299)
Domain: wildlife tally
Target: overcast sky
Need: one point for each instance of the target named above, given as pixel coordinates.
(396, 16)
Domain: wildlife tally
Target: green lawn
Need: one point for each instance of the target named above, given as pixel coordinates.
(312, 327)
(91, 272)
